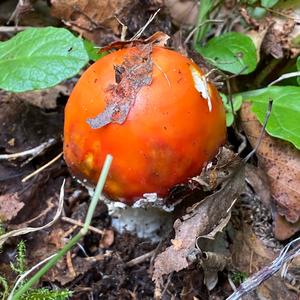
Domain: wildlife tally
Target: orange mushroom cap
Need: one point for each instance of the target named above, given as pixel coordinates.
(175, 123)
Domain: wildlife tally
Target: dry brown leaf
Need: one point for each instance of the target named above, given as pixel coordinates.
(183, 12)
(46, 99)
(202, 219)
(10, 205)
(281, 162)
(89, 15)
(250, 255)
(26, 230)
(259, 182)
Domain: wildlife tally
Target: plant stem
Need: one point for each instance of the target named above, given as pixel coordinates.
(76, 238)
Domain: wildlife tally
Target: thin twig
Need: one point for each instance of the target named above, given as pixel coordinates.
(34, 151)
(26, 230)
(43, 167)
(285, 76)
(80, 224)
(124, 29)
(283, 15)
(190, 35)
(140, 259)
(268, 113)
(13, 29)
(140, 32)
(285, 255)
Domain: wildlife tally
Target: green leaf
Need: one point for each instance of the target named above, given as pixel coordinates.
(258, 13)
(284, 120)
(229, 119)
(268, 3)
(233, 52)
(92, 50)
(39, 58)
(237, 103)
(205, 7)
(298, 67)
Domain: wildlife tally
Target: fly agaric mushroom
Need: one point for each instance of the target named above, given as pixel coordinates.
(152, 109)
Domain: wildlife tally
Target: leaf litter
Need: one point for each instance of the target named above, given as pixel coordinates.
(201, 220)
(281, 162)
(114, 283)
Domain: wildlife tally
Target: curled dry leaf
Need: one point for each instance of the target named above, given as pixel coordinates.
(201, 220)
(281, 162)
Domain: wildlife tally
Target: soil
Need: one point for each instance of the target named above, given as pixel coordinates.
(101, 266)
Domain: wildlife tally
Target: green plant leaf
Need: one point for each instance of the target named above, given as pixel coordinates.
(268, 3)
(233, 52)
(284, 120)
(92, 50)
(229, 119)
(205, 7)
(237, 103)
(39, 58)
(298, 67)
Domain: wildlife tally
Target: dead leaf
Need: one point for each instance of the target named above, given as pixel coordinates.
(214, 254)
(46, 99)
(10, 205)
(202, 219)
(88, 15)
(28, 125)
(281, 162)
(183, 12)
(259, 182)
(249, 255)
(26, 230)
(134, 73)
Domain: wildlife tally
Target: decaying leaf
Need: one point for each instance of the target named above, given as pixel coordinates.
(200, 220)
(24, 126)
(26, 230)
(45, 99)
(134, 73)
(10, 205)
(183, 12)
(87, 15)
(214, 254)
(259, 182)
(250, 255)
(281, 162)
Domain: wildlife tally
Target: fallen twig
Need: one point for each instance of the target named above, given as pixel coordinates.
(43, 167)
(79, 223)
(285, 255)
